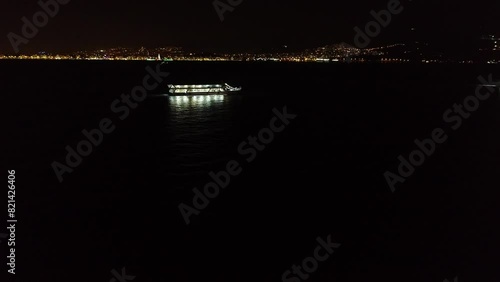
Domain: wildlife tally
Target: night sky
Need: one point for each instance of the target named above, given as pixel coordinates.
(254, 25)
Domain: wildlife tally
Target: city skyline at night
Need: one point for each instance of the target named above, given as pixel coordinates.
(485, 49)
(246, 27)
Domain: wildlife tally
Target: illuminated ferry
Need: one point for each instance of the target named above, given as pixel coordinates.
(200, 89)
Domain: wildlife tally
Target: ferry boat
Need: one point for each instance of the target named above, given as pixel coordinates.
(201, 89)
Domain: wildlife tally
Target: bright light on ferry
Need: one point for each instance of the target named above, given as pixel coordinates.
(196, 100)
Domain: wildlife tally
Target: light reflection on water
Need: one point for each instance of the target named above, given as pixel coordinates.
(196, 135)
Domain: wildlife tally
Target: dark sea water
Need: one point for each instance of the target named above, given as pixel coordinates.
(324, 174)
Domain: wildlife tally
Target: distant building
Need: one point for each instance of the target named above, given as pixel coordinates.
(489, 48)
(489, 43)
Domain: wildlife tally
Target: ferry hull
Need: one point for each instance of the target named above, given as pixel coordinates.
(197, 90)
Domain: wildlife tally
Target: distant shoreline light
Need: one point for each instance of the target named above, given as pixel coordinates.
(319, 60)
